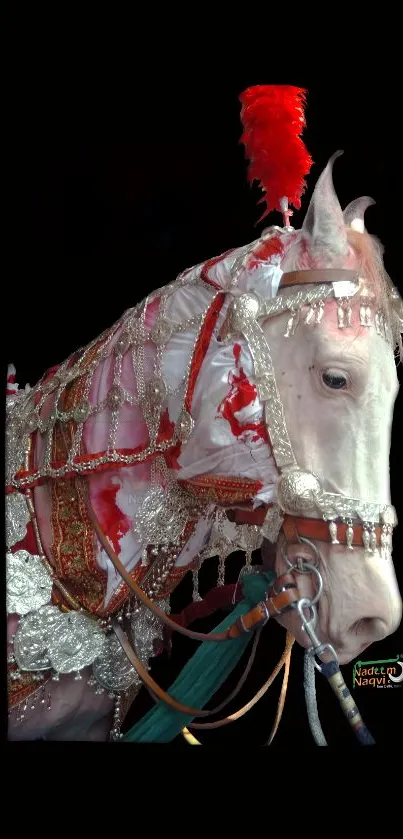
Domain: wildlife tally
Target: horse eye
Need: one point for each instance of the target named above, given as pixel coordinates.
(334, 380)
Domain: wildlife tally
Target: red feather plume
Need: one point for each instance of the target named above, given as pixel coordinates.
(273, 119)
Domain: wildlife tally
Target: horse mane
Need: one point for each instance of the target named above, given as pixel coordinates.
(369, 251)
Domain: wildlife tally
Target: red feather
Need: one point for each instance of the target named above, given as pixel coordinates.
(273, 119)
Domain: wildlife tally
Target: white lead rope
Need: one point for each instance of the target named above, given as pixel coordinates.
(310, 700)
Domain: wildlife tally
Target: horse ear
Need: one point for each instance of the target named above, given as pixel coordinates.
(324, 225)
(354, 213)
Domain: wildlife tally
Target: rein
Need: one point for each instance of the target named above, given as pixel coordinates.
(284, 660)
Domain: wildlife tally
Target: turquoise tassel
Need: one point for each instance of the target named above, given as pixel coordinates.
(204, 674)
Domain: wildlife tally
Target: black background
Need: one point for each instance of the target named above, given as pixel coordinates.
(122, 173)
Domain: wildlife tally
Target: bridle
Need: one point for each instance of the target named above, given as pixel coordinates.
(299, 493)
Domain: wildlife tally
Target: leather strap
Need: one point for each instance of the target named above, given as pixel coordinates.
(158, 693)
(276, 604)
(310, 528)
(319, 529)
(148, 680)
(249, 705)
(283, 694)
(310, 277)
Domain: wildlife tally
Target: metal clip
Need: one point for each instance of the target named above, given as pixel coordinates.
(308, 626)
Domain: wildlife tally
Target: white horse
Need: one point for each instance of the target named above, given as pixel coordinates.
(262, 383)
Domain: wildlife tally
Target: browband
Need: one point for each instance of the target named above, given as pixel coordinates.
(317, 275)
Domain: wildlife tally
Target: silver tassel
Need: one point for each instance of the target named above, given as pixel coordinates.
(368, 314)
(290, 325)
(372, 539)
(221, 569)
(247, 568)
(340, 316)
(348, 314)
(349, 536)
(319, 312)
(333, 533)
(365, 537)
(144, 558)
(311, 313)
(362, 313)
(378, 323)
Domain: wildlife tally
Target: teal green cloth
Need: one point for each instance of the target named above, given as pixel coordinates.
(203, 674)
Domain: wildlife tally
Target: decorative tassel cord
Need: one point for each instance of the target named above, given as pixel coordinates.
(331, 671)
(310, 701)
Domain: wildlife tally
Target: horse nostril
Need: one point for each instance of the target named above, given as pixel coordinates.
(362, 626)
(369, 630)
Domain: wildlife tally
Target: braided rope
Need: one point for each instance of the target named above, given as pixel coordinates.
(310, 701)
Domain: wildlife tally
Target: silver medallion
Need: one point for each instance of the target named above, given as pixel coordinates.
(162, 516)
(161, 333)
(29, 585)
(30, 647)
(48, 638)
(112, 668)
(17, 518)
(298, 492)
(146, 628)
(74, 643)
(184, 426)
(156, 391)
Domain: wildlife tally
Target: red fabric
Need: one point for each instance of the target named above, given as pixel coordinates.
(242, 394)
(50, 373)
(217, 598)
(114, 523)
(209, 264)
(265, 250)
(202, 346)
(28, 543)
(273, 119)
(166, 432)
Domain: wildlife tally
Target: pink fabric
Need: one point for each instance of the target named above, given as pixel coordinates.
(227, 440)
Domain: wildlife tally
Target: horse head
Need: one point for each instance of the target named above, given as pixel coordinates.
(337, 382)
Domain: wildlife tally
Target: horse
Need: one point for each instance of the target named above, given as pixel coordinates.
(246, 405)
